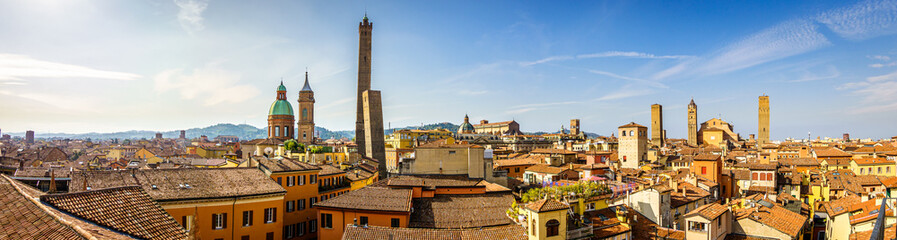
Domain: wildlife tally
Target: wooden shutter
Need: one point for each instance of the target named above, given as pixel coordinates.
(224, 220)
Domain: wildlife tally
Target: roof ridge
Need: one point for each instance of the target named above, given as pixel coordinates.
(83, 233)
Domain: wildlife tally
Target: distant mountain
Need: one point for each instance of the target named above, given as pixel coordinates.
(243, 131)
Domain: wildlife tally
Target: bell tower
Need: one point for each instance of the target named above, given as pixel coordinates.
(306, 123)
(693, 123)
(365, 29)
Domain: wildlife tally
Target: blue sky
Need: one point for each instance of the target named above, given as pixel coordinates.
(829, 67)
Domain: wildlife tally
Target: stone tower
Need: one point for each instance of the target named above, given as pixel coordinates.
(633, 145)
(280, 116)
(373, 125)
(692, 123)
(574, 127)
(657, 125)
(365, 29)
(306, 123)
(763, 128)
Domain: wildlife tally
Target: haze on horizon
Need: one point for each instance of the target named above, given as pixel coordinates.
(829, 67)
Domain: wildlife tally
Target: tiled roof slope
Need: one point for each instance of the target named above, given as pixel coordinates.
(546, 205)
(20, 218)
(125, 209)
(183, 183)
(506, 232)
(461, 211)
(433, 181)
(372, 198)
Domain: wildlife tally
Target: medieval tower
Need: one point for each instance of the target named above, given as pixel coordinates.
(692, 123)
(280, 116)
(763, 128)
(306, 123)
(364, 78)
(657, 125)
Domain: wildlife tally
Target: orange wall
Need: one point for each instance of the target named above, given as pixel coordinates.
(296, 192)
(470, 190)
(713, 169)
(202, 215)
(343, 218)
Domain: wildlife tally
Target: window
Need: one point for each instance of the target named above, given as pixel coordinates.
(879, 170)
(552, 227)
(631, 133)
(624, 133)
(887, 169)
(290, 206)
(313, 179)
(304, 113)
(301, 180)
(517, 170)
(704, 170)
(313, 224)
(247, 218)
(762, 177)
(451, 152)
(288, 231)
(363, 221)
(394, 222)
(187, 222)
(312, 201)
(270, 215)
(291, 180)
(219, 220)
(301, 229)
(697, 226)
(244, 237)
(769, 177)
(277, 131)
(300, 204)
(269, 236)
(326, 220)
(279, 181)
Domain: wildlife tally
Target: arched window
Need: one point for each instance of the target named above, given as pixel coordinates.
(631, 133)
(769, 176)
(754, 176)
(624, 133)
(552, 227)
(304, 114)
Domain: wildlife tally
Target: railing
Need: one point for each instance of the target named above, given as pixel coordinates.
(331, 187)
(580, 233)
(878, 232)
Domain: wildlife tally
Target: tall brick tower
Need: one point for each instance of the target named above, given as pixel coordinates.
(574, 127)
(657, 125)
(364, 78)
(280, 116)
(692, 123)
(763, 128)
(306, 123)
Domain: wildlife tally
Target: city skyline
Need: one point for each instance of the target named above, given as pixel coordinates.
(828, 67)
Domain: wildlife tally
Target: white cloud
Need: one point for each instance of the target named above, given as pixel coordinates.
(632, 55)
(832, 72)
(878, 93)
(880, 57)
(637, 80)
(472, 93)
(14, 69)
(519, 111)
(887, 77)
(624, 93)
(783, 40)
(190, 14)
(209, 84)
(863, 20)
(545, 60)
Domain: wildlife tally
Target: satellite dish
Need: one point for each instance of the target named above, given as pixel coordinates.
(269, 150)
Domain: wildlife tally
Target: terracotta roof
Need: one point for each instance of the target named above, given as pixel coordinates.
(521, 161)
(506, 232)
(461, 211)
(125, 209)
(329, 170)
(605, 223)
(545, 168)
(372, 198)
(285, 165)
(707, 157)
(21, 218)
(632, 124)
(493, 123)
(183, 183)
(830, 152)
(840, 205)
(741, 174)
(546, 205)
(776, 217)
(264, 141)
(551, 151)
(709, 211)
(889, 182)
(692, 194)
(433, 181)
(873, 161)
(806, 162)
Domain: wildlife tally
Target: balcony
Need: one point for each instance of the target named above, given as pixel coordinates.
(341, 185)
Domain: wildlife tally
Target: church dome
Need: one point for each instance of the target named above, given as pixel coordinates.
(466, 127)
(281, 87)
(281, 107)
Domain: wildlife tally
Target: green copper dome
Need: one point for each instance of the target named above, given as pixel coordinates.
(281, 87)
(281, 107)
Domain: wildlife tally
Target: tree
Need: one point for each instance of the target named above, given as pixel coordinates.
(291, 145)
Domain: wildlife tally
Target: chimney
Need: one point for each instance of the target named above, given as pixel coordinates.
(52, 182)
(484, 121)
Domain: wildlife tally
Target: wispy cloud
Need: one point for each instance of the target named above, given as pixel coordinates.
(831, 72)
(520, 111)
(605, 55)
(190, 14)
(880, 58)
(15, 69)
(881, 65)
(624, 93)
(863, 20)
(472, 93)
(783, 40)
(878, 93)
(209, 84)
(636, 80)
(632, 55)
